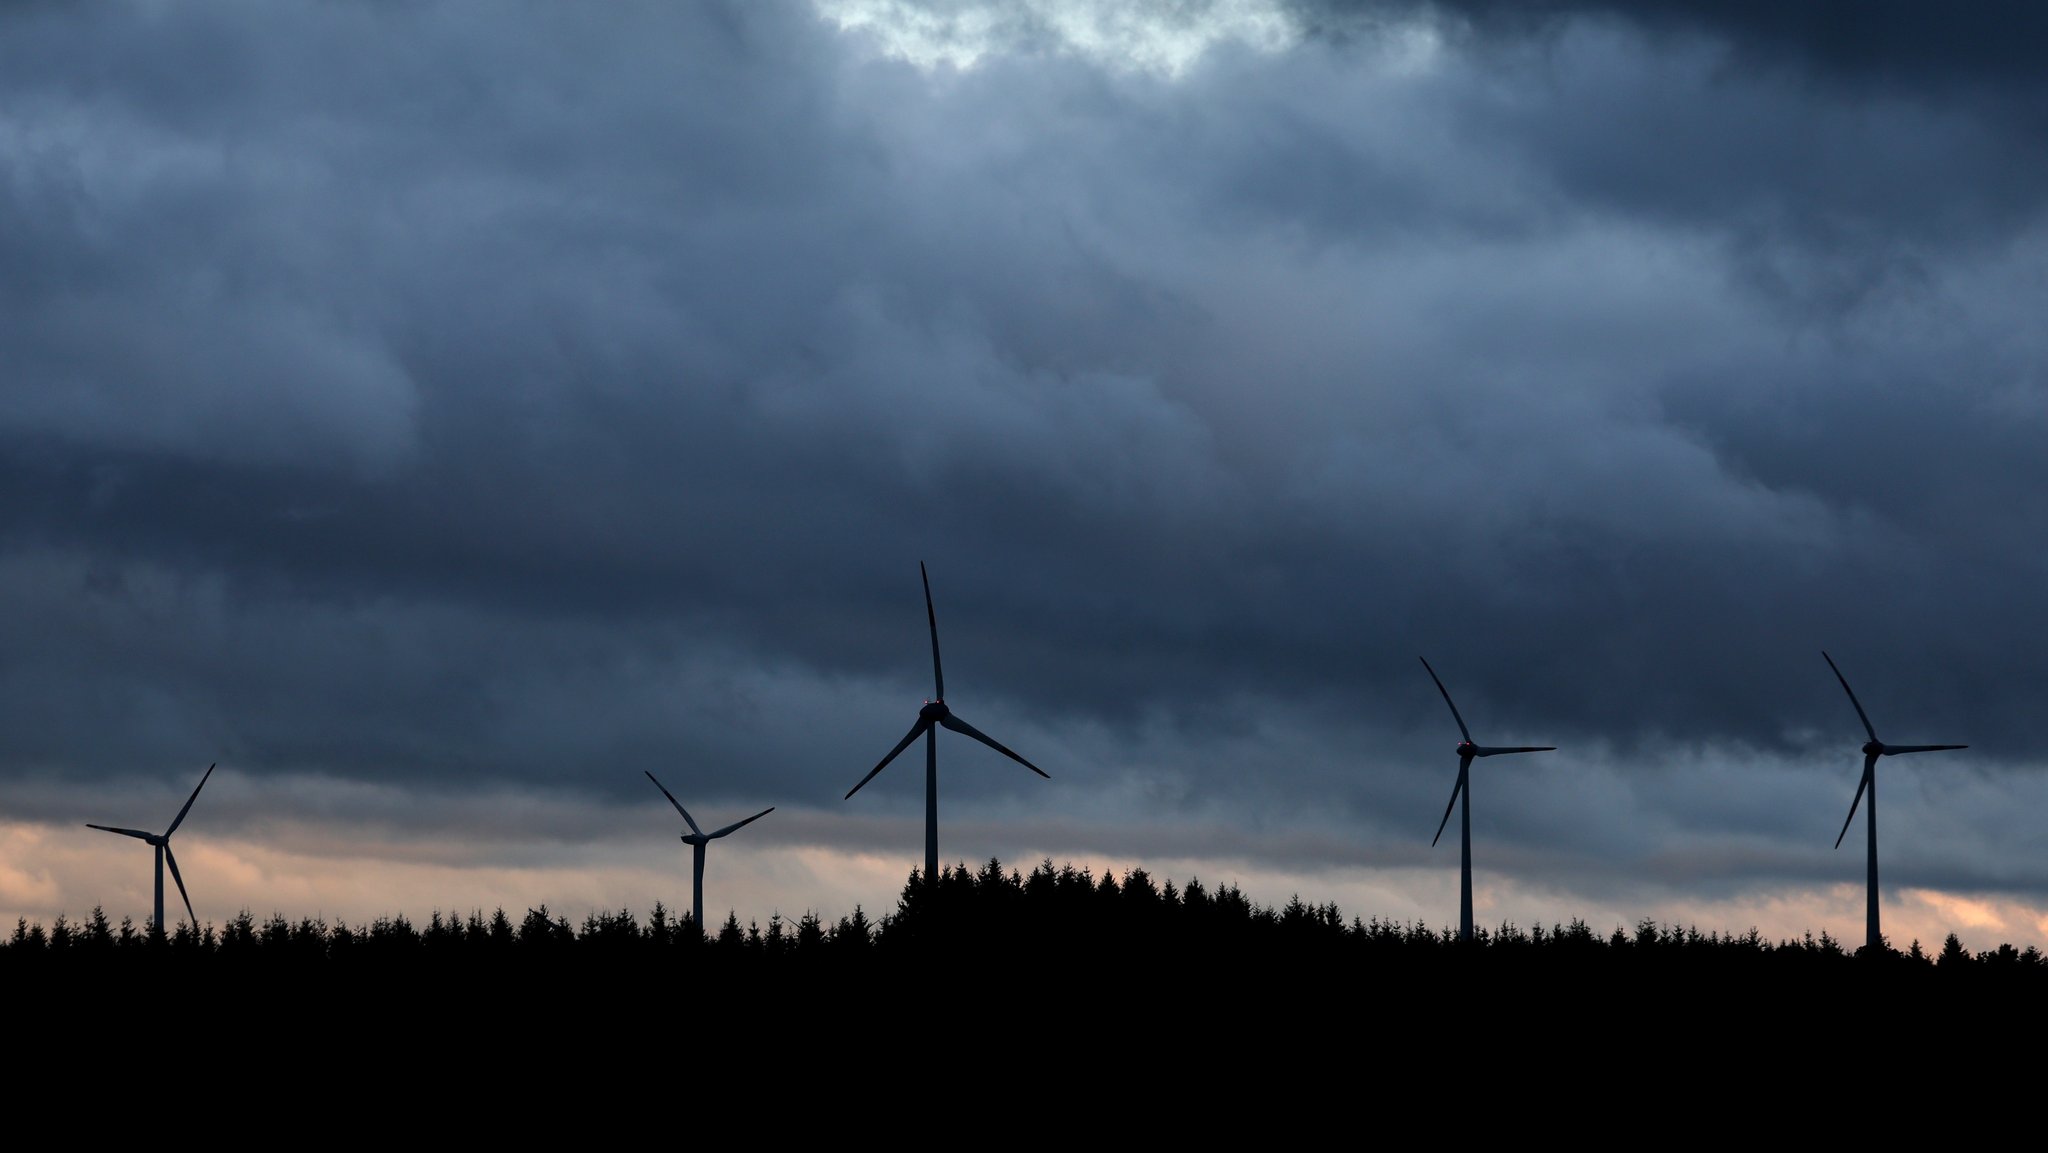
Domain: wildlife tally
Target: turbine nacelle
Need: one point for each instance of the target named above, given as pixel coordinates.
(1467, 749)
(934, 712)
(1873, 748)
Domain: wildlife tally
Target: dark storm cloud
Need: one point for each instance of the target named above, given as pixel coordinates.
(632, 368)
(1985, 47)
(1868, 178)
(451, 392)
(1840, 124)
(1842, 153)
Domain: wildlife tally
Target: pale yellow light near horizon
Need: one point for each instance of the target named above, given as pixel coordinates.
(47, 870)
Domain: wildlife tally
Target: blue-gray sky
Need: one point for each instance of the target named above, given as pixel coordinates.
(439, 413)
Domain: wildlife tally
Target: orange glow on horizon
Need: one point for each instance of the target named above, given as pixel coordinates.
(45, 872)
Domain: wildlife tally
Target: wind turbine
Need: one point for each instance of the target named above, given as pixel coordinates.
(162, 844)
(1872, 750)
(697, 838)
(1462, 791)
(929, 718)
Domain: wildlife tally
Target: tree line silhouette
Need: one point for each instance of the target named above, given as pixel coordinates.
(1051, 916)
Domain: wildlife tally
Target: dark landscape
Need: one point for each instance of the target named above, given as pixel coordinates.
(1194, 1013)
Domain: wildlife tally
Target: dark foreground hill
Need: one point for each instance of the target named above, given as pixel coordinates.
(991, 982)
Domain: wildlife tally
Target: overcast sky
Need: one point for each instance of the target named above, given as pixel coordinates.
(440, 413)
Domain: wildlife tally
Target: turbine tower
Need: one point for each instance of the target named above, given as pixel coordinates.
(930, 718)
(1872, 749)
(162, 844)
(697, 838)
(1462, 791)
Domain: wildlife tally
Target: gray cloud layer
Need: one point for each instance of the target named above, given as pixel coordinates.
(447, 392)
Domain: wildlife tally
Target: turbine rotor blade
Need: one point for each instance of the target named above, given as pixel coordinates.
(188, 807)
(1485, 752)
(739, 824)
(1462, 730)
(678, 804)
(917, 730)
(1890, 749)
(1864, 717)
(959, 726)
(136, 833)
(171, 859)
(1464, 764)
(1869, 760)
(932, 617)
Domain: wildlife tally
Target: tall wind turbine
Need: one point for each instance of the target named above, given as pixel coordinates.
(162, 844)
(697, 838)
(1462, 791)
(1872, 749)
(929, 718)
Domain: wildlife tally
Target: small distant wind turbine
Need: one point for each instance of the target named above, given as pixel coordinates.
(162, 844)
(1872, 749)
(697, 838)
(1462, 791)
(929, 718)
